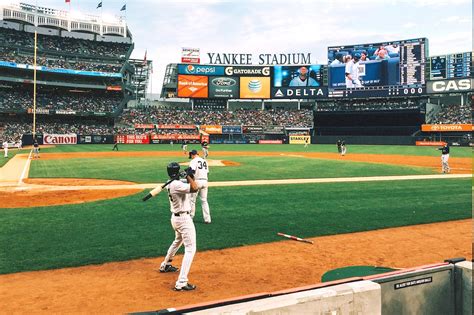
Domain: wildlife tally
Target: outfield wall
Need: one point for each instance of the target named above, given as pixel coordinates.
(444, 288)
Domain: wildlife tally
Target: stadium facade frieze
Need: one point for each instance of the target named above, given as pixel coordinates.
(262, 59)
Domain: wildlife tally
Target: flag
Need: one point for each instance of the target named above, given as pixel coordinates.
(144, 59)
(99, 5)
(124, 8)
(68, 1)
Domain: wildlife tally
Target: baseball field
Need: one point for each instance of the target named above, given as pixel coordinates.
(75, 235)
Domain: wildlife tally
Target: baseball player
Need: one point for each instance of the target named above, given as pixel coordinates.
(36, 150)
(338, 143)
(5, 148)
(184, 146)
(179, 194)
(352, 72)
(343, 148)
(306, 142)
(115, 148)
(20, 144)
(444, 157)
(200, 167)
(205, 149)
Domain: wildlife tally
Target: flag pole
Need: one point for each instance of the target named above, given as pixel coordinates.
(34, 71)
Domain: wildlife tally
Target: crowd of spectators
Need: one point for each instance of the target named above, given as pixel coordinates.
(453, 114)
(59, 62)
(357, 105)
(150, 115)
(13, 131)
(22, 99)
(9, 37)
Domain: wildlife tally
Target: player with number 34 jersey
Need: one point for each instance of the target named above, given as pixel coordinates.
(201, 168)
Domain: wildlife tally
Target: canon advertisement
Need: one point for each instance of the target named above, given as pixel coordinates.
(59, 139)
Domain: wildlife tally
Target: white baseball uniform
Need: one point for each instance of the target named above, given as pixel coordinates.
(205, 151)
(353, 69)
(201, 168)
(182, 223)
(5, 148)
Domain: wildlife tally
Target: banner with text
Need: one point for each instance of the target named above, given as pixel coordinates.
(447, 128)
(59, 139)
(300, 139)
(133, 139)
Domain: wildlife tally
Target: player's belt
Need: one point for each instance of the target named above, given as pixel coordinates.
(180, 213)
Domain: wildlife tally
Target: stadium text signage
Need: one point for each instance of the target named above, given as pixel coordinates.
(446, 86)
(263, 59)
(59, 139)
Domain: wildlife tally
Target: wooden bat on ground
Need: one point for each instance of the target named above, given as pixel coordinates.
(295, 238)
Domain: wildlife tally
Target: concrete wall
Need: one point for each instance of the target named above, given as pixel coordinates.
(362, 297)
(463, 280)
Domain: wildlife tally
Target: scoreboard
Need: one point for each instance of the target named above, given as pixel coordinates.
(451, 66)
(412, 62)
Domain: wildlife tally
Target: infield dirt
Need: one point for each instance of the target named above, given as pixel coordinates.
(135, 285)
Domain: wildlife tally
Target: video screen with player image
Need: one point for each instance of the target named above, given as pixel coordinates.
(297, 76)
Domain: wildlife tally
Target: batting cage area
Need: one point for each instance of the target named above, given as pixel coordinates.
(76, 234)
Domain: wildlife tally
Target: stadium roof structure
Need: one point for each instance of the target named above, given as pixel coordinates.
(140, 78)
(65, 20)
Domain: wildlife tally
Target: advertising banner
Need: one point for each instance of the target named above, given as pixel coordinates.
(447, 128)
(144, 126)
(300, 139)
(175, 136)
(59, 138)
(243, 71)
(95, 139)
(133, 139)
(41, 111)
(430, 143)
(211, 129)
(64, 112)
(300, 92)
(231, 129)
(224, 87)
(253, 129)
(190, 55)
(449, 86)
(255, 87)
(200, 70)
(270, 142)
(192, 86)
(276, 130)
(175, 126)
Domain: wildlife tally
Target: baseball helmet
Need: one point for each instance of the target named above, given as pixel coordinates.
(357, 55)
(173, 170)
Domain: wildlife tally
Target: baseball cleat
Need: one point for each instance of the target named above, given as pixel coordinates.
(187, 287)
(168, 268)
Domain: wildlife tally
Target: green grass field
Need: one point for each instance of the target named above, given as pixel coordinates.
(127, 228)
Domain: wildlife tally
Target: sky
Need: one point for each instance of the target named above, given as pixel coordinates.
(163, 28)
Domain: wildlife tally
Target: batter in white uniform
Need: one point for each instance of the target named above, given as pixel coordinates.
(201, 169)
(179, 194)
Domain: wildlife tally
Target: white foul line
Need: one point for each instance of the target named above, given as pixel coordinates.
(27, 165)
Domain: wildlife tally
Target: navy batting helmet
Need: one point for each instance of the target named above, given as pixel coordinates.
(173, 170)
(357, 55)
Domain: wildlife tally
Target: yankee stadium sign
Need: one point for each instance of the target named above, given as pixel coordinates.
(262, 59)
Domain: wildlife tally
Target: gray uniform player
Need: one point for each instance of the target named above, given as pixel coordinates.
(205, 149)
(201, 169)
(179, 194)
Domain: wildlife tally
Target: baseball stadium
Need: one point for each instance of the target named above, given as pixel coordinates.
(327, 190)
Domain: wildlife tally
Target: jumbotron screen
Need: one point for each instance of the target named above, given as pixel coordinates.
(395, 63)
(451, 66)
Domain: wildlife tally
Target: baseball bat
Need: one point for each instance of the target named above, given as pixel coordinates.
(295, 238)
(156, 190)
